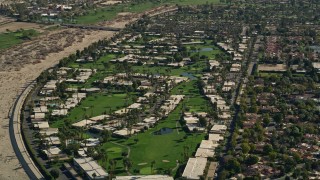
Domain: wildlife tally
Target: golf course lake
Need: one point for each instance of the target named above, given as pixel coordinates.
(163, 131)
(206, 49)
(189, 75)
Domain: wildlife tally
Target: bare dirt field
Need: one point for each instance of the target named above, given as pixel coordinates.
(23, 63)
(109, 2)
(15, 75)
(11, 24)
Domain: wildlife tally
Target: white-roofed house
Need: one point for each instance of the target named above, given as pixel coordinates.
(195, 168)
(218, 129)
(91, 168)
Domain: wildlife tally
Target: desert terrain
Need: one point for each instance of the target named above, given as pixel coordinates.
(23, 63)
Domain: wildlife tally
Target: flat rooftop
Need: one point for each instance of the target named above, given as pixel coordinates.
(195, 168)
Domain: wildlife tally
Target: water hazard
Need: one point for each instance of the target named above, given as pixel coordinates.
(163, 131)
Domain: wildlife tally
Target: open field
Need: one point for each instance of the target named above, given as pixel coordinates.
(94, 105)
(108, 13)
(10, 39)
(194, 102)
(13, 26)
(10, 24)
(159, 148)
(166, 150)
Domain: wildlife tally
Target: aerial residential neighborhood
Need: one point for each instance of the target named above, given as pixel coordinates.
(142, 89)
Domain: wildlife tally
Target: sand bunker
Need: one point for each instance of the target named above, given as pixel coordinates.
(141, 164)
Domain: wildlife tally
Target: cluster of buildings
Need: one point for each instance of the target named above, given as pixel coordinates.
(79, 76)
(146, 82)
(115, 123)
(196, 166)
(202, 160)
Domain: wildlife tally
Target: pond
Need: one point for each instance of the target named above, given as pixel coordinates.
(206, 49)
(188, 75)
(163, 131)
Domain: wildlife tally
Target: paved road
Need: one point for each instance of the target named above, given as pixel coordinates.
(17, 140)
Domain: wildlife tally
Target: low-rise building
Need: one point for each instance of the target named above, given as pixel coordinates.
(195, 168)
(90, 167)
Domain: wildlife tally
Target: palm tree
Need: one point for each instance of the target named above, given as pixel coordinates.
(103, 155)
(127, 164)
(152, 166)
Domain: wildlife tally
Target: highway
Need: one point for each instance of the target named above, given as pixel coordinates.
(17, 140)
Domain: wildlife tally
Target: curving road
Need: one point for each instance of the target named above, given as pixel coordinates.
(16, 137)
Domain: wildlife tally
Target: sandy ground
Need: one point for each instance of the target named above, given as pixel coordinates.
(109, 2)
(13, 26)
(12, 79)
(10, 84)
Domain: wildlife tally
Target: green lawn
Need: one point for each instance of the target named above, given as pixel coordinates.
(195, 69)
(10, 39)
(96, 65)
(263, 74)
(209, 54)
(101, 73)
(111, 12)
(194, 101)
(94, 105)
(166, 149)
(114, 152)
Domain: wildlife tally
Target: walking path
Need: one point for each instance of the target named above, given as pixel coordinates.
(177, 127)
(129, 149)
(128, 155)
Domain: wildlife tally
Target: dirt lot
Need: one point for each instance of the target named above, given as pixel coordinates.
(272, 68)
(109, 2)
(24, 63)
(13, 26)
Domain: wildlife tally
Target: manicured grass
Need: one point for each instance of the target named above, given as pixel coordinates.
(114, 152)
(110, 13)
(96, 65)
(165, 149)
(101, 73)
(94, 105)
(10, 39)
(209, 54)
(160, 148)
(194, 69)
(194, 102)
(270, 74)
